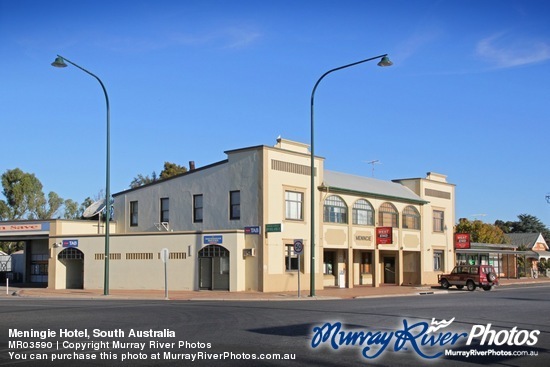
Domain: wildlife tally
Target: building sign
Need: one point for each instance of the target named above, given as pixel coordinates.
(384, 235)
(252, 230)
(213, 240)
(462, 240)
(30, 227)
(70, 243)
(363, 238)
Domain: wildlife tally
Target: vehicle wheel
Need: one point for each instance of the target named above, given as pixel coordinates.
(471, 286)
(487, 287)
(491, 277)
(445, 284)
(460, 286)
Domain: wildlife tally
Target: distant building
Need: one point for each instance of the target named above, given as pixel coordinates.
(232, 225)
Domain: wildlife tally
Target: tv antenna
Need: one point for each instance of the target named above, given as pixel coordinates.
(376, 161)
(478, 215)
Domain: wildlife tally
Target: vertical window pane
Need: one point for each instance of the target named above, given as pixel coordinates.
(438, 221)
(388, 216)
(164, 210)
(363, 213)
(235, 205)
(438, 260)
(197, 208)
(133, 213)
(294, 204)
(291, 259)
(411, 218)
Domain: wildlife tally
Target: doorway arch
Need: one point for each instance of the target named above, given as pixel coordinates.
(214, 268)
(73, 259)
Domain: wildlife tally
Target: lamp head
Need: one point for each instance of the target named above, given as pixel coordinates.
(385, 62)
(59, 62)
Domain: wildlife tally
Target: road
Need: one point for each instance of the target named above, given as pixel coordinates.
(238, 332)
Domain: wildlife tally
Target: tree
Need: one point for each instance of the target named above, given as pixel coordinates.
(169, 170)
(480, 232)
(141, 180)
(526, 224)
(72, 210)
(25, 198)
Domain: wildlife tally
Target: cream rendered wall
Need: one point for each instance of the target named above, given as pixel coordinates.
(82, 227)
(69, 229)
(435, 240)
(241, 172)
(149, 273)
(276, 182)
(343, 236)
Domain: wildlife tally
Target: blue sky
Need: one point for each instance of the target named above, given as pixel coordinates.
(467, 95)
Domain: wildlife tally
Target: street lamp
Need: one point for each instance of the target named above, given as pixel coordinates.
(384, 61)
(60, 63)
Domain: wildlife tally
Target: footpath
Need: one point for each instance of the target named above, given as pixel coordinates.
(325, 294)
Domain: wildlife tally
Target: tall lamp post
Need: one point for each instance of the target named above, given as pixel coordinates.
(384, 61)
(60, 63)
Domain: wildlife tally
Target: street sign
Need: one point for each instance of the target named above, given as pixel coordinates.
(164, 255)
(274, 227)
(298, 247)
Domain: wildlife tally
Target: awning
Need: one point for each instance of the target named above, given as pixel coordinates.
(492, 251)
(542, 254)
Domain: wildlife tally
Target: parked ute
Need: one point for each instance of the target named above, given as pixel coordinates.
(471, 276)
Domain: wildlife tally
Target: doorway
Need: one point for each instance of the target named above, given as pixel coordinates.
(214, 268)
(389, 270)
(73, 259)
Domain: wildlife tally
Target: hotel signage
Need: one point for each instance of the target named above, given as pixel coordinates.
(384, 235)
(462, 240)
(213, 240)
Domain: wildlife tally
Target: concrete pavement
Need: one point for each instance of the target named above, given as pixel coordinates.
(325, 294)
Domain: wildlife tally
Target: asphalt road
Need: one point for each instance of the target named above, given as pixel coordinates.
(281, 333)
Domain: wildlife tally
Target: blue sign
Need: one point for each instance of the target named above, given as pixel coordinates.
(252, 230)
(70, 243)
(213, 240)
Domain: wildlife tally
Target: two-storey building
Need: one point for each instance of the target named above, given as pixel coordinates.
(232, 225)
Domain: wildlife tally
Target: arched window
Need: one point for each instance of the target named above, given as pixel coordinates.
(411, 218)
(388, 216)
(363, 213)
(335, 210)
(71, 253)
(214, 251)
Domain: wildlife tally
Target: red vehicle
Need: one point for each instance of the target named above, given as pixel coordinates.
(471, 276)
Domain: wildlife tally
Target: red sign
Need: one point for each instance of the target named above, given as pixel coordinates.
(384, 235)
(462, 240)
(20, 227)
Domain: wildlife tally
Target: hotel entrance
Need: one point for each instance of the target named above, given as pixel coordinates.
(214, 268)
(389, 270)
